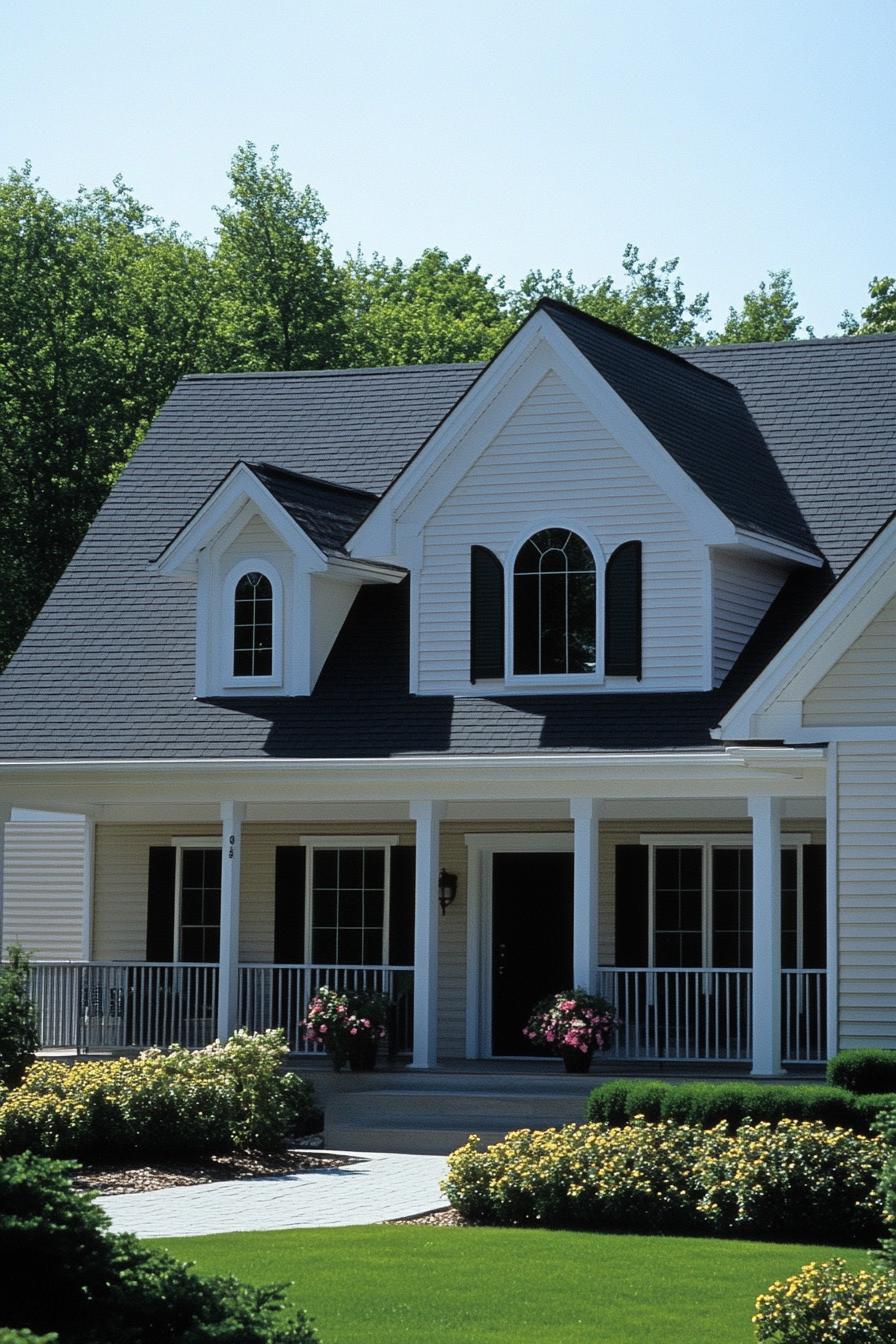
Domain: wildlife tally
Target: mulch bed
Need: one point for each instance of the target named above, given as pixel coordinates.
(440, 1218)
(122, 1179)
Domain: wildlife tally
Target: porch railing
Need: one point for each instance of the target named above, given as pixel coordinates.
(278, 995)
(804, 1017)
(687, 1015)
(95, 1005)
(705, 1014)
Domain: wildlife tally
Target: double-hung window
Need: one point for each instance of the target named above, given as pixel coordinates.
(347, 912)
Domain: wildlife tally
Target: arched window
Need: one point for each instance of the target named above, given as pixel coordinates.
(554, 605)
(253, 626)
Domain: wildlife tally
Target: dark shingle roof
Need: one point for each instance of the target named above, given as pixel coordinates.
(699, 419)
(328, 513)
(107, 670)
(827, 410)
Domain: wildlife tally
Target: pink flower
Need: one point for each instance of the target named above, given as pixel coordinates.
(353, 1032)
(322, 1027)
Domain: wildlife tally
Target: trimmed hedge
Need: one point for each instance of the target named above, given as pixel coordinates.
(863, 1071)
(709, 1104)
(177, 1103)
(796, 1182)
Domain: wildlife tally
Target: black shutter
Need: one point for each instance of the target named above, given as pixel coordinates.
(622, 612)
(486, 614)
(631, 904)
(160, 903)
(401, 905)
(814, 907)
(289, 904)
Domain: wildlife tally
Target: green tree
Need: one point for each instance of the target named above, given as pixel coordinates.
(278, 293)
(879, 313)
(18, 1020)
(435, 311)
(651, 302)
(102, 308)
(769, 313)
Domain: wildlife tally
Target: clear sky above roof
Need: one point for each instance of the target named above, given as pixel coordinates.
(740, 136)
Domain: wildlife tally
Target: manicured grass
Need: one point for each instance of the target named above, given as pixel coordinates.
(425, 1285)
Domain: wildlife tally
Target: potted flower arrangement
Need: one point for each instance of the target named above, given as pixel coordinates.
(349, 1024)
(573, 1024)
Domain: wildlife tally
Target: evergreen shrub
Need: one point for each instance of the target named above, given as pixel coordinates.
(863, 1071)
(65, 1273)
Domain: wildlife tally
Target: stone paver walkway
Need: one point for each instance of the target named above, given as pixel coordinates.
(375, 1189)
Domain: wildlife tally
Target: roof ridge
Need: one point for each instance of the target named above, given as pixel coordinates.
(358, 370)
(680, 359)
(797, 343)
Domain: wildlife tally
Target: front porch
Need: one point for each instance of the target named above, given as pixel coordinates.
(689, 890)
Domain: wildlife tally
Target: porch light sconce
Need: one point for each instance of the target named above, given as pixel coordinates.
(447, 889)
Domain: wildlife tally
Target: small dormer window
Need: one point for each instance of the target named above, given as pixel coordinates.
(554, 605)
(253, 626)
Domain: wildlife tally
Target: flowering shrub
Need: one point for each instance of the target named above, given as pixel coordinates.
(337, 1019)
(182, 1101)
(571, 1020)
(801, 1179)
(829, 1304)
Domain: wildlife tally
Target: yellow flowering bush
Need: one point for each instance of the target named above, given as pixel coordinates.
(802, 1179)
(829, 1304)
(227, 1096)
(795, 1178)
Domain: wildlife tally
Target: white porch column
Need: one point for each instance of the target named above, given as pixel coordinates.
(427, 815)
(585, 813)
(5, 814)
(232, 815)
(766, 814)
(832, 930)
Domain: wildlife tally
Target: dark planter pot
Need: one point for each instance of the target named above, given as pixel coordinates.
(576, 1061)
(362, 1054)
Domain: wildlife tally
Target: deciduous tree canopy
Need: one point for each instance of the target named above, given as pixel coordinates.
(103, 307)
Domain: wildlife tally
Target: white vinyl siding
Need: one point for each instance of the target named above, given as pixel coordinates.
(554, 463)
(866, 798)
(43, 888)
(256, 539)
(743, 589)
(860, 690)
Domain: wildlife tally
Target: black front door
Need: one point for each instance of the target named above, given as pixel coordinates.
(531, 941)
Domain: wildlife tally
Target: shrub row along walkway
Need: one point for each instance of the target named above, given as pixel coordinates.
(375, 1189)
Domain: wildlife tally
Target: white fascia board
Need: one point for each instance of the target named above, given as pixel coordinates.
(242, 486)
(376, 535)
(540, 347)
(781, 550)
(823, 638)
(364, 571)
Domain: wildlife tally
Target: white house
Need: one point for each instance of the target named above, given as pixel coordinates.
(474, 682)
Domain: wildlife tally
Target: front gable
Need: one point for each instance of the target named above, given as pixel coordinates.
(553, 465)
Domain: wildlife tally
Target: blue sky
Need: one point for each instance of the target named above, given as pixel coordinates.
(742, 135)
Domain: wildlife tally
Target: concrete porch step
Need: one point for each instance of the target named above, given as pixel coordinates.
(437, 1120)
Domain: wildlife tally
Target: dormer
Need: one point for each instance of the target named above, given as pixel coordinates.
(595, 515)
(273, 580)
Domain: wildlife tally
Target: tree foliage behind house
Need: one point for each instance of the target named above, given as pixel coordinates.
(103, 307)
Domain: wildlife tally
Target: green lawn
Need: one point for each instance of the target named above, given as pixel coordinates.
(422, 1285)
